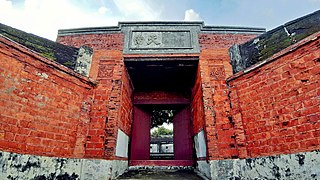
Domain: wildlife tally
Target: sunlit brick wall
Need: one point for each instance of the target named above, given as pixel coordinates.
(279, 103)
(44, 106)
(214, 64)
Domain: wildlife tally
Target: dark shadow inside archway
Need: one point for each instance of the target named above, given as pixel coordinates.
(162, 126)
(162, 74)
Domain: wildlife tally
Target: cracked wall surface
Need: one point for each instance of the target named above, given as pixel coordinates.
(29, 167)
(290, 166)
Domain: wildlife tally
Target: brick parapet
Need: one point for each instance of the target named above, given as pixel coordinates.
(44, 105)
(55, 65)
(279, 101)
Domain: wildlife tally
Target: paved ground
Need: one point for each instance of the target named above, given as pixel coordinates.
(160, 174)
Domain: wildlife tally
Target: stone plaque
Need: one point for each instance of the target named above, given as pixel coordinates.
(160, 40)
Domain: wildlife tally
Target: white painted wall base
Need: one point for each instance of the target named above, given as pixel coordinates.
(290, 166)
(26, 167)
(204, 168)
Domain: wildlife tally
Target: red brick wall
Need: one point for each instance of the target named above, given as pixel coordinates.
(110, 102)
(215, 67)
(277, 106)
(217, 41)
(95, 41)
(219, 127)
(44, 106)
(112, 105)
(197, 110)
(126, 114)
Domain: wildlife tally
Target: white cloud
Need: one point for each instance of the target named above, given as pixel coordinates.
(103, 10)
(191, 15)
(5, 5)
(45, 17)
(137, 10)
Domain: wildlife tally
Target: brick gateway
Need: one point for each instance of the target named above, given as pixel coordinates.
(250, 99)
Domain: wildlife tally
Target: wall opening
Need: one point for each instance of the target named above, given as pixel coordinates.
(162, 93)
(161, 131)
(172, 146)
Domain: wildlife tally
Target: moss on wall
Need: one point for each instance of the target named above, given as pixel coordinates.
(273, 41)
(65, 55)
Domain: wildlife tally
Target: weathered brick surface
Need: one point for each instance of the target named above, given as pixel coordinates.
(217, 41)
(273, 41)
(112, 105)
(126, 114)
(62, 54)
(44, 106)
(218, 123)
(278, 104)
(214, 69)
(110, 102)
(95, 41)
(197, 108)
(49, 110)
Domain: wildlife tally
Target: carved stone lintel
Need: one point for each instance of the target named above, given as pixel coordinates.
(160, 40)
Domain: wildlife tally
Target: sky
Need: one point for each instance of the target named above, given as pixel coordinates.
(45, 17)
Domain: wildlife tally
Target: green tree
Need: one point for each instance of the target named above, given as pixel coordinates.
(161, 131)
(161, 116)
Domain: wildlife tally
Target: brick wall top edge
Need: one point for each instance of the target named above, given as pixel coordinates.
(56, 65)
(72, 33)
(276, 56)
(264, 46)
(232, 32)
(122, 25)
(63, 54)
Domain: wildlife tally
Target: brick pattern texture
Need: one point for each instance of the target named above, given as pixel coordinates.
(197, 109)
(113, 96)
(47, 109)
(277, 107)
(95, 41)
(112, 107)
(214, 69)
(44, 106)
